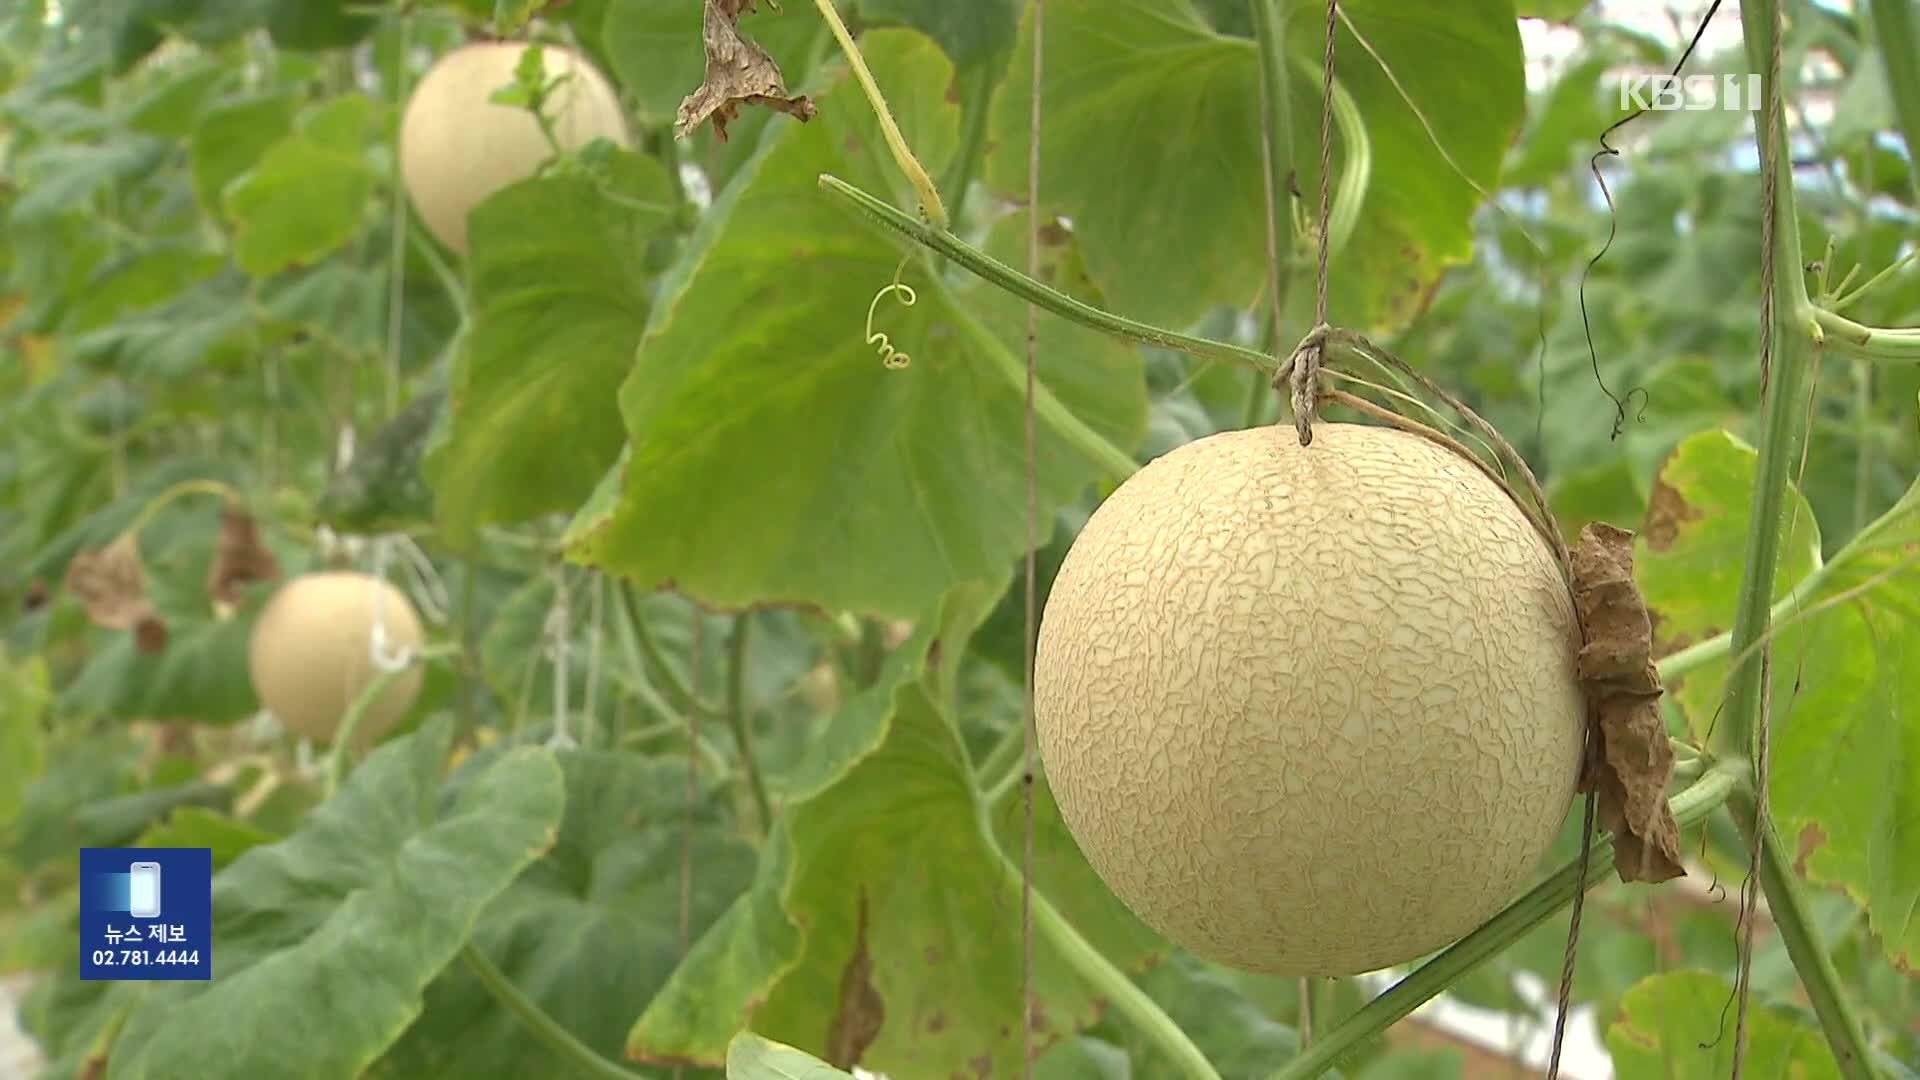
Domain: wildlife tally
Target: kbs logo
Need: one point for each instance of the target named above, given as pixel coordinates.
(1692, 93)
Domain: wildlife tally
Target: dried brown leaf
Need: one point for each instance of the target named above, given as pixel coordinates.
(239, 558)
(739, 72)
(112, 583)
(1630, 761)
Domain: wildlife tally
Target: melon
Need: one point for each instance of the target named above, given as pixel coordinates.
(457, 148)
(1310, 710)
(311, 653)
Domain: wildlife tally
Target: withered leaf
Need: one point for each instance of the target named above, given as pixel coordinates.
(739, 72)
(112, 583)
(238, 557)
(1629, 761)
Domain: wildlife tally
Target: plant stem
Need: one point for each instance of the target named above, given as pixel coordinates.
(1115, 462)
(350, 721)
(1848, 338)
(1108, 981)
(656, 661)
(737, 716)
(1540, 904)
(544, 1027)
(1269, 31)
(1786, 902)
(1900, 57)
(978, 85)
(897, 143)
(985, 266)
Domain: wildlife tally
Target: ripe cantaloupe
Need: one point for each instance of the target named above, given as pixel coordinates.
(310, 656)
(1310, 710)
(457, 148)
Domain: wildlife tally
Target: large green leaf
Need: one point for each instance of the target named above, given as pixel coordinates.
(559, 299)
(1691, 552)
(609, 888)
(1676, 1027)
(328, 938)
(1846, 671)
(881, 924)
(969, 33)
(1151, 144)
(303, 199)
(847, 484)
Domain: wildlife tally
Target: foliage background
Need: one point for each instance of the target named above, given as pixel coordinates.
(653, 364)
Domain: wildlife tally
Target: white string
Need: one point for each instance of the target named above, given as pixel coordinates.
(558, 634)
(380, 642)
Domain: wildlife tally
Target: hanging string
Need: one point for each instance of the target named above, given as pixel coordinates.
(1770, 151)
(1033, 542)
(1304, 368)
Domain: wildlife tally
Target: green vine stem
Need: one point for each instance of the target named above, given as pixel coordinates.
(1788, 384)
(986, 267)
(338, 755)
(1787, 903)
(896, 143)
(1844, 336)
(544, 1027)
(737, 718)
(1900, 57)
(1276, 109)
(977, 85)
(1690, 806)
(1107, 981)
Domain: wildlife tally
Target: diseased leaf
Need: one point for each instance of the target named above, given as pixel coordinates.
(1629, 758)
(739, 72)
(1675, 1027)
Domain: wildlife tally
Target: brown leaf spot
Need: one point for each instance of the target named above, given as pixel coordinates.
(1629, 761)
(36, 596)
(739, 72)
(112, 583)
(150, 633)
(856, 1021)
(1667, 513)
(238, 557)
(937, 1023)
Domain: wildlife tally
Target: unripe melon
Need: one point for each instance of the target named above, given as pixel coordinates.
(457, 148)
(311, 655)
(1310, 710)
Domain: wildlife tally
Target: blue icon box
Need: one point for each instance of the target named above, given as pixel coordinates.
(146, 913)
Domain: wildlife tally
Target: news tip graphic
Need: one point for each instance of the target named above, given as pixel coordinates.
(146, 913)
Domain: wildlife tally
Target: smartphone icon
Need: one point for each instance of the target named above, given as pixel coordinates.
(143, 893)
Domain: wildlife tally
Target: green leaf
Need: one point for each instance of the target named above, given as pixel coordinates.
(559, 300)
(317, 25)
(232, 136)
(24, 697)
(1846, 743)
(848, 485)
(1676, 1027)
(330, 936)
(197, 826)
(609, 888)
(302, 200)
(879, 873)
(1152, 148)
(968, 33)
(750, 1057)
(58, 177)
(1689, 554)
(200, 675)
